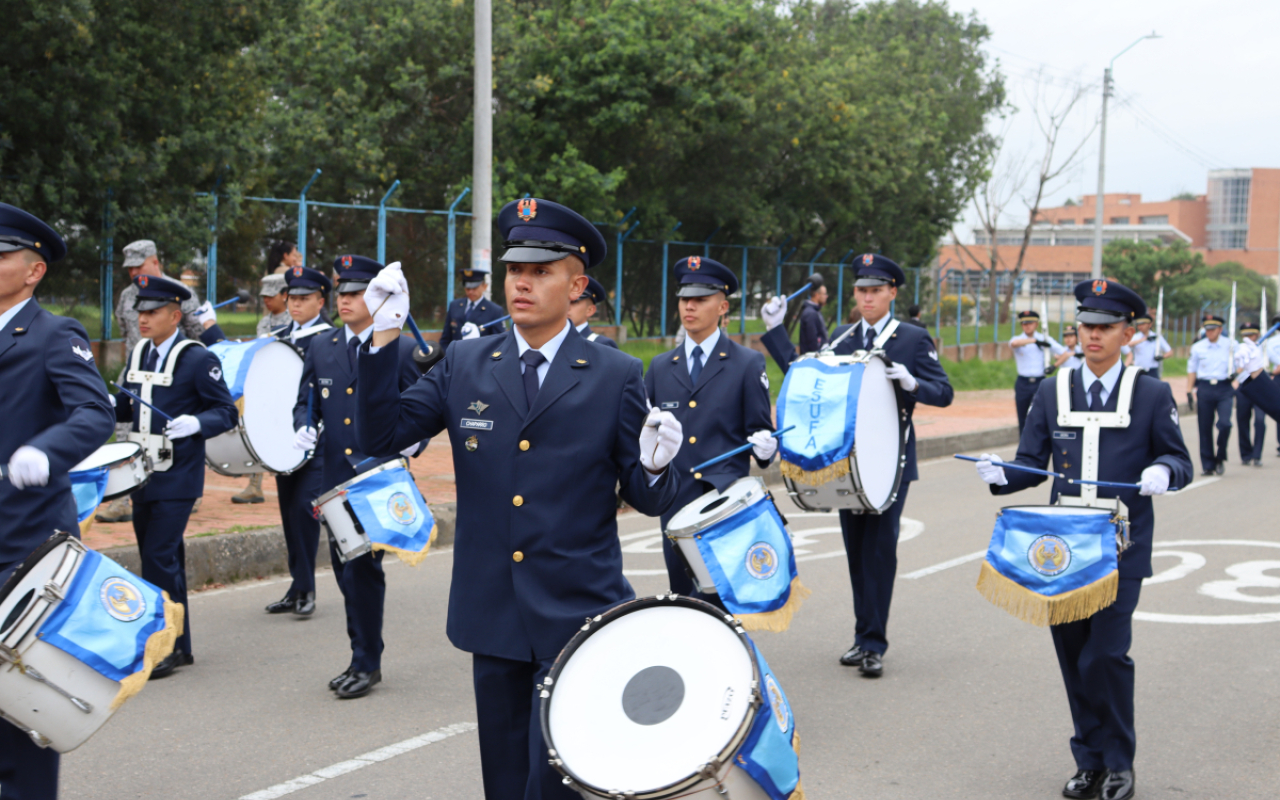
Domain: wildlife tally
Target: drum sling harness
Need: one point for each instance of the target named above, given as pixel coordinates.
(1092, 422)
(157, 446)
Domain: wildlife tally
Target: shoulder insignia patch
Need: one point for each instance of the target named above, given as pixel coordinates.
(933, 354)
(81, 348)
(764, 379)
(215, 372)
(1173, 414)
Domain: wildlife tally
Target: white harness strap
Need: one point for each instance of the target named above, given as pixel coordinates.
(1092, 422)
(593, 337)
(885, 334)
(157, 446)
(312, 331)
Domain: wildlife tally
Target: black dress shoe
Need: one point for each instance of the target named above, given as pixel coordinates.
(1085, 784)
(359, 684)
(305, 605)
(854, 657)
(1221, 468)
(1118, 785)
(170, 663)
(872, 665)
(341, 679)
(282, 605)
(1208, 472)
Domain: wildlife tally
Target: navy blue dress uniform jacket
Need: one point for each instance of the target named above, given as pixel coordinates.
(457, 316)
(327, 370)
(199, 390)
(600, 338)
(1264, 392)
(813, 328)
(53, 399)
(909, 346)
(537, 546)
(1153, 437)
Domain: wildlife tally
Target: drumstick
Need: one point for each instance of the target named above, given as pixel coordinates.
(735, 451)
(494, 322)
(1015, 465)
(228, 302)
(417, 334)
(140, 400)
(814, 283)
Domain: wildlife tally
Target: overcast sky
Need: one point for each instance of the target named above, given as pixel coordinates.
(1204, 96)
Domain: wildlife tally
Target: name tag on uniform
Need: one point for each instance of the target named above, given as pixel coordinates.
(669, 406)
(326, 381)
(477, 424)
(1064, 434)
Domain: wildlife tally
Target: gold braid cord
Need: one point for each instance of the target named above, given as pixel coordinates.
(1040, 610)
(779, 619)
(408, 556)
(798, 794)
(159, 646)
(818, 477)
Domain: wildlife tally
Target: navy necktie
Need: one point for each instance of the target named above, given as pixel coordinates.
(868, 337)
(153, 357)
(1095, 396)
(352, 347)
(695, 365)
(532, 359)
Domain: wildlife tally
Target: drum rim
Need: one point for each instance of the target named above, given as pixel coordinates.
(29, 563)
(1099, 510)
(138, 452)
(723, 758)
(342, 487)
(724, 512)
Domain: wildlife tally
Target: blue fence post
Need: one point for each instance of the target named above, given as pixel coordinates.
(302, 217)
(617, 286)
(742, 299)
(453, 236)
(662, 329)
(382, 222)
(706, 244)
(959, 317)
(108, 268)
(840, 287)
(777, 291)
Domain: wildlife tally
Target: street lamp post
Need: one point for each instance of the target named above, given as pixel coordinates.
(482, 147)
(1102, 159)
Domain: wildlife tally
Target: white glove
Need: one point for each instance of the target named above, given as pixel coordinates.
(112, 398)
(388, 298)
(989, 472)
(182, 427)
(470, 331)
(765, 444)
(205, 314)
(305, 438)
(899, 373)
(1248, 357)
(410, 451)
(659, 440)
(773, 312)
(28, 467)
(1155, 480)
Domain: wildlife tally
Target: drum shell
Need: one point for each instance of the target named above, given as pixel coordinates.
(126, 474)
(343, 527)
(229, 453)
(685, 537)
(270, 394)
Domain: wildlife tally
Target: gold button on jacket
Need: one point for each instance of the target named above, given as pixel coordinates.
(517, 556)
(524, 444)
(348, 451)
(693, 440)
(693, 404)
(517, 501)
(350, 390)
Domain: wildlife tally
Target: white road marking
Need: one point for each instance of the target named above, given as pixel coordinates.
(360, 762)
(955, 562)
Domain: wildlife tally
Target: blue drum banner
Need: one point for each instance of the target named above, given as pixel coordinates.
(771, 752)
(1049, 569)
(115, 623)
(88, 487)
(236, 358)
(750, 559)
(394, 514)
(821, 400)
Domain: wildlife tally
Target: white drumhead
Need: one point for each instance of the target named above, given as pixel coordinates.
(650, 697)
(877, 440)
(270, 392)
(108, 454)
(716, 505)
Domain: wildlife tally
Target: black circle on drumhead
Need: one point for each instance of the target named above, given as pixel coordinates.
(652, 695)
(713, 505)
(17, 611)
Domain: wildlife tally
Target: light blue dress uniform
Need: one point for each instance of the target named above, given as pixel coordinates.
(1252, 436)
(1144, 352)
(1211, 363)
(1029, 361)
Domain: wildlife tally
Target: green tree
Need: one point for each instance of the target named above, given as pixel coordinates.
(1188, 282)
(1145, 266)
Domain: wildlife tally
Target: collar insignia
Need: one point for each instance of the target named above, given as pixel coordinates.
(478, 406)
(527, 209)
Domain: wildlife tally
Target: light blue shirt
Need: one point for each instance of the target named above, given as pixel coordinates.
(708, 346)
(7, 316)
(548, 350)
(1272, 348)
(1211, 360)
(363, 336)
(1107, 378)
(1144, 352)
(877, 328)
(1029, 358)
(162, 352)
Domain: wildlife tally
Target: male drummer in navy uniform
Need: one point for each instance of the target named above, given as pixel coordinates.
(871, 540)
(1029, 357)
(719, 391)
(1093, 654)
(1251, 442)
(584, 308)
(544, 427)
(1209, 376)
(184, 381)
(329, 379)
(467, 314)
(813, 328)
(56, 413)
(308, 294)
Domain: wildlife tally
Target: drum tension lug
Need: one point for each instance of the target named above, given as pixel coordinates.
(52, 593)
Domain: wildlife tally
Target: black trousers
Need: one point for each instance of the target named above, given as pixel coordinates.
(159, 525)
(364, 593)
(513, 756)
(871, 547)
(1213, 400)
(301, 528)
(1024, 391)
(1251, 443)
(27, 771)
(1093, 655)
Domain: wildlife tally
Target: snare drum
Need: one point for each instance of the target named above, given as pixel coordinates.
(879, 454)
(263, 440)
(660, 698)
(125, 464)
(339, 518)
(737, 498)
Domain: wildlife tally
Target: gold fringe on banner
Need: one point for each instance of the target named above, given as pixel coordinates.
(87, 524)
(779, 619)
(818, 477)
(798, 794)
(240, 405)
(408, 556)
(1040, 610)
(159, 645)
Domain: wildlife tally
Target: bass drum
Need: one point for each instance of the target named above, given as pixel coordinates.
(263, 439)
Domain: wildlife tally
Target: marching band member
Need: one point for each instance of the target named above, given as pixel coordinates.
(584, 308)
(329, 377)
(58, 417)
(544, 427)
(1209, 375)
(813, 328)
(184, 380)
(717, 389)
(1028, 355)
(1250, 445)
(275, 304)
(1146, 352)
(308, 293)
(1074, 356)
(467, 314)
(871, 540)
(1093, 654)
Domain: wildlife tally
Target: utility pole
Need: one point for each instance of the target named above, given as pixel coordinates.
(482, 144)
(1102, 160)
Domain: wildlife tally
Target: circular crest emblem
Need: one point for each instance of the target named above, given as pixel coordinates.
(122, 600)
(401, 509)
(762, 561)
(527, 209)
(868, 259)
(471, 444)
(781, 713)
(142, 281)
(1049, 555)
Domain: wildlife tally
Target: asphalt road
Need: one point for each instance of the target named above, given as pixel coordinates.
(971, 704)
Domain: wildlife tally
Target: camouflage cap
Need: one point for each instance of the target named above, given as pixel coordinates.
(135, 253)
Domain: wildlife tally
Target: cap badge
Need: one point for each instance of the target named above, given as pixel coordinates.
(695, 262)
(142, 281)
(1099, 288)
(527, 209)
(346, 261)
(297, 272)
(868, 259)
(478, 406)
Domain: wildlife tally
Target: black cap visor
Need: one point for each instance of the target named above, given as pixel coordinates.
(872, 280)
(350, 287)
(537, 252)
(152, 303)
(305, 289)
